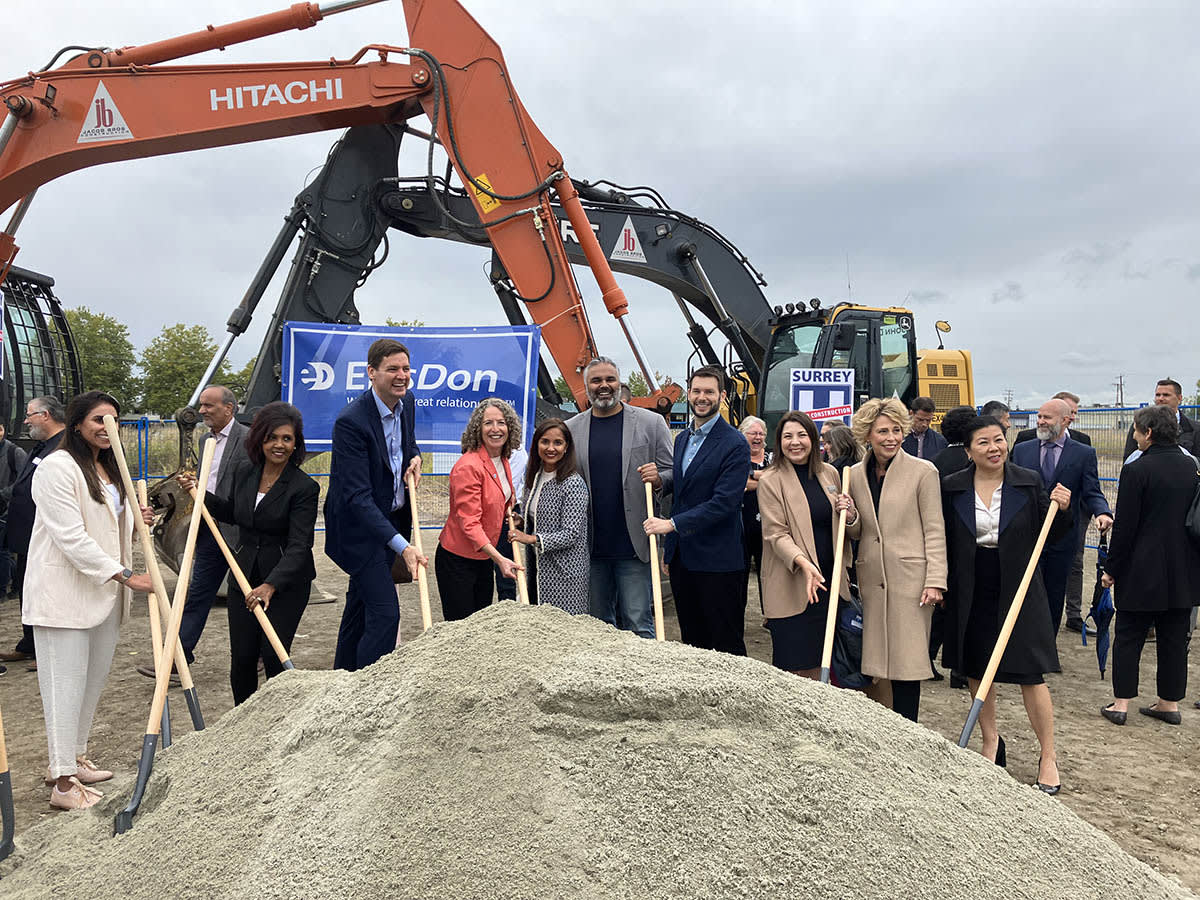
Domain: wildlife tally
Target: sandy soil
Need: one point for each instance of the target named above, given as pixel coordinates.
(1138, 783)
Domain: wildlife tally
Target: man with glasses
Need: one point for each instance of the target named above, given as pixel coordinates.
(45, 418)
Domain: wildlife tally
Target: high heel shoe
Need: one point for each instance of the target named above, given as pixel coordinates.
(1001, 756)
(1048, 789)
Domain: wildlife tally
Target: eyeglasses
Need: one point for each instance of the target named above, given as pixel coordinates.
(37, 412)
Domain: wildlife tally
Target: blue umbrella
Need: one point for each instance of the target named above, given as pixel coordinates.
(1102, 609)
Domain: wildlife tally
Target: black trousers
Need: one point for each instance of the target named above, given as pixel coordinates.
(1074, 599)
(465, 585)
(752, 551)
(1171, 630)
(1056, 569)
(906, 698)
(25, 644)
(247, 641)
(711, 608)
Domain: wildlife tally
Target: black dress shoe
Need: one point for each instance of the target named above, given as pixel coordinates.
(959, 682)
(1171, 718)
(1048, 789)
(1001, 756)
(938, 676)
(1113, 715)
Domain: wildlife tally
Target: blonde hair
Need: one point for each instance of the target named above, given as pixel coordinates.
(864, 419)
(472, 437)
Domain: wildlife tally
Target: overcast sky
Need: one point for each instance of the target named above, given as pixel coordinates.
(1027, 171)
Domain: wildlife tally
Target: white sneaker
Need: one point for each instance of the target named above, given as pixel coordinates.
(77, 796)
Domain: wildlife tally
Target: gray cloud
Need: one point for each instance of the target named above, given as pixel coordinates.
(1011, 291)
(928, 296)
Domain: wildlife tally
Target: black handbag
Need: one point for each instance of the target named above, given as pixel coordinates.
(1191, 523)
(847, 644)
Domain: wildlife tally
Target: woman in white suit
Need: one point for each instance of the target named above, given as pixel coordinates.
(77, 589)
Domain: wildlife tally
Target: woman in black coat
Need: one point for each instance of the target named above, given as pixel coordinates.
(274, 505)
(1154, 565)
(994, 511)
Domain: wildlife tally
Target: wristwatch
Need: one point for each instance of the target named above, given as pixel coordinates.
(126, 574)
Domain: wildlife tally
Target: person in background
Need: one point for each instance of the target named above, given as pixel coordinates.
(800, 498)
(555, 526)
(954, 457)
(368, 513)
(998, 411)
(78, 588)
(754, 430)
(923, 442)
(1168, 393)
(626, 393)
(839, 447)
(994, 511)
(12, 460)
(1072, 401)
(1061, 460)
(901, 552)
(216, 406)
(273, 503)
(1074, 591)
(704, 544)
(45, 418)
(481, 494)
(619, 448)
(1153, 566)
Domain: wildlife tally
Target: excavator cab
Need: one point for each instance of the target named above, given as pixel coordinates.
(879, 344)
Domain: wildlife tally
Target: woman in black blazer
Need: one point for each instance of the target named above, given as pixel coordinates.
(1154, 565)
(274, 505)
(994, 511)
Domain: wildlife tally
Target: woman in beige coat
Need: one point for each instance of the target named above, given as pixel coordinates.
(77, 589)
(901, 552)
(798, 500)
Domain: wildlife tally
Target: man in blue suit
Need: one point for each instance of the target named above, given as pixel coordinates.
(703, 547)
(368, 517)
(923, 442)
(1061, 460)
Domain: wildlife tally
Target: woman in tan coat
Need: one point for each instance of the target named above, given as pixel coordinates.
(798, 500)
(901, 552)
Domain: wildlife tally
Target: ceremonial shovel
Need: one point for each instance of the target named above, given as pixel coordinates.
(655, 574)
(985, 685)
(6, 801)
(243, 582)
(422, 575)
(156, 633)
(835, 588)
(518, 551)
(124, 819)
(160, 588)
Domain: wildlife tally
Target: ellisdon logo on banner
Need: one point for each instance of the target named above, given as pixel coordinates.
(825, 394)
(319, 376)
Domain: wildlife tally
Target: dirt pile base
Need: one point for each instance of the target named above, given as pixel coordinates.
(526, 753)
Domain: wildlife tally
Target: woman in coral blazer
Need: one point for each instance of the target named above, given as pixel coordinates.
(481, 494)
(77, 589)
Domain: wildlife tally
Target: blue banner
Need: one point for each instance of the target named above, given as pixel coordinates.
(325, 368)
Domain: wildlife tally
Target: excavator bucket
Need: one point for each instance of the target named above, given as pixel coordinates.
(171, 503)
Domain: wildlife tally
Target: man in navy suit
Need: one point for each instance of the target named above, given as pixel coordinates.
(368, 517)
(703, 547)
(1061, 460)
(923, 442)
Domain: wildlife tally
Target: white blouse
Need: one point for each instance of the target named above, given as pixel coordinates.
(987, 520)
(115, 493)
(498, 462)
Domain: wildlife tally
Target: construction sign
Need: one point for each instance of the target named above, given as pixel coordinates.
(824, 394)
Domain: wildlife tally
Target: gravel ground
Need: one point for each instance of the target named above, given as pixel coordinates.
(525, 753)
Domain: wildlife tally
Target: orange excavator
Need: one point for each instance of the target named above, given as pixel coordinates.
(104, 105)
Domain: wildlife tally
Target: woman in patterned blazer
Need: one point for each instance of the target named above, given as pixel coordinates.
(555, 502)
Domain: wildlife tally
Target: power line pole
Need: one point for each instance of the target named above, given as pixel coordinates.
(1119, 384)
(1008, 397)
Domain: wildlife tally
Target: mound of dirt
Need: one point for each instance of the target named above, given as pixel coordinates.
(525, 753)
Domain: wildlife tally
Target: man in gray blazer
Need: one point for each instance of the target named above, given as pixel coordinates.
(216, 406)
(618, 448)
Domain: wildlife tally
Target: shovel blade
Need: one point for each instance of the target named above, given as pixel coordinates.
(124, 819)
(6, 811)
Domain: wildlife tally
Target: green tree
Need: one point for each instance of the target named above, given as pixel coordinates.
(106, 355)
(637, 383)
(239, 381)
(564, 390)
(173, 364)
(403, 323)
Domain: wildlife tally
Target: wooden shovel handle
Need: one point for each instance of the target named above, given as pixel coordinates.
(655, 574)
(422, 574)
(835, 588)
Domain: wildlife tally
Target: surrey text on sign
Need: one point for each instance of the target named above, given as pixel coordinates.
(824, 394)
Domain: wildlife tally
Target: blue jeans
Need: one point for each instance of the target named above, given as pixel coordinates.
(621, 595)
